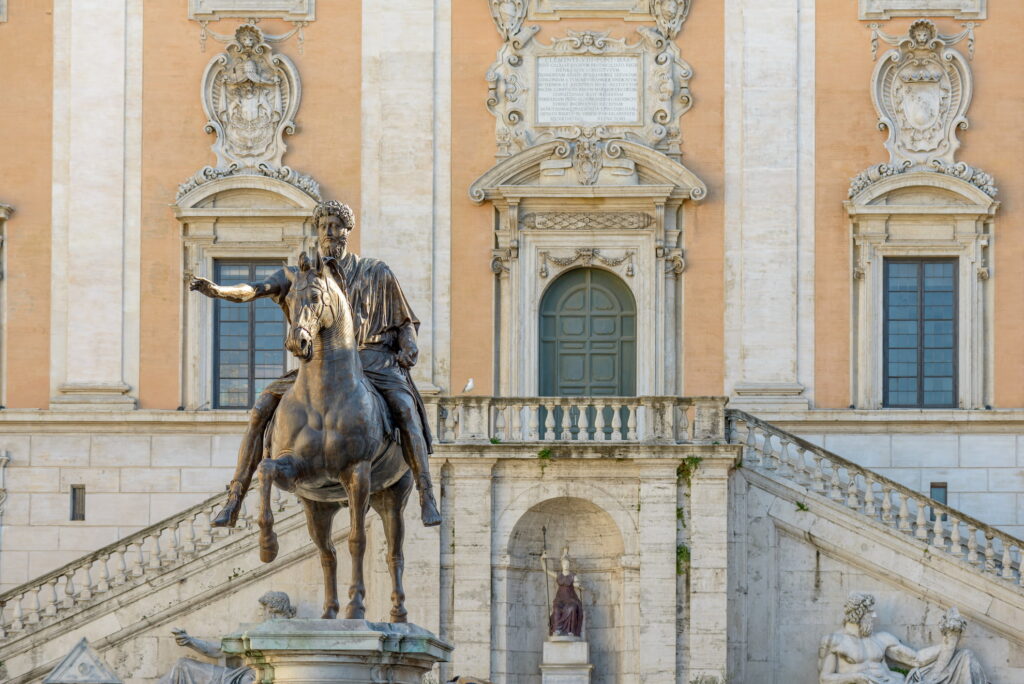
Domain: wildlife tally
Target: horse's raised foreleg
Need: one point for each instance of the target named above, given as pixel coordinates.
(319, 517)
(390, 504)
(357, 484)
(281, 471)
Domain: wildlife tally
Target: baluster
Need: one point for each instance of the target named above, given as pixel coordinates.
(69, 590)
(770, 457)
(818, 476)
(990, 554)
(938, 531)
(836, 492)
(171, 556)
(205, 536)
(499, 423)
(244, 517)
(35, 611)
(921, 524)
(188, 540)
(51, 605)
(549, 422)
(103, 585)
(887, 505)
(680, 429)
(4, 627)
(599, 433)
(785, 459)
(972, 544)
(517, 423)
(904, 513)
(869, 496)
(448, 417)
(590, 421)
(954, 537)
(631, 422)
(154, 551)
(138, 560)
(534, 410)
(616, 422)
(1007, 561)
(85, 593)
(852, 495)
(751, 445)
(18, 623)
(800, 466)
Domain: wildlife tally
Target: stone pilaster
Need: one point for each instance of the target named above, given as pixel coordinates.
(709, 561)
(96, 203)
(657, 571)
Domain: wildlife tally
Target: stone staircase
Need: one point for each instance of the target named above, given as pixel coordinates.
(157, 575)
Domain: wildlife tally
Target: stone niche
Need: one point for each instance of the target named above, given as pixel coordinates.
(610, 204)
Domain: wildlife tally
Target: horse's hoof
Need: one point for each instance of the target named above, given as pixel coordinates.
(399, 615)
(428, 510)
(354, 612)
(330, 613)
(268, 548)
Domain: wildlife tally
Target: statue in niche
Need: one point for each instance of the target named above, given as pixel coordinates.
(857, 654)
(566, 617)
(275, 606)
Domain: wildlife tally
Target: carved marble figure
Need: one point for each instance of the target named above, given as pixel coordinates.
(348, 322)
(857, 654)
(566, 617)
(275, 604)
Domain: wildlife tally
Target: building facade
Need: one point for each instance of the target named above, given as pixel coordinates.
(805, 207)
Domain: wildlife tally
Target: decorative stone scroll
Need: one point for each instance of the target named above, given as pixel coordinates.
(588, 89)
(250, 97)
(585, 257)
(921, 90)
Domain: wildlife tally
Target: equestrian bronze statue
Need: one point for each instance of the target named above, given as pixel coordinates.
(331, 423)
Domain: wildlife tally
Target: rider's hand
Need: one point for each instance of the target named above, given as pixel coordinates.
(181, 637)
(206, 287)
(408, 352)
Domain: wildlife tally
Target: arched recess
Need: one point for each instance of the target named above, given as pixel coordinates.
(595, 551)
(588, 335)
(922, 214)
(235, 217)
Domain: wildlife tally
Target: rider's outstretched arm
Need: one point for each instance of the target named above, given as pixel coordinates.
(276, 285)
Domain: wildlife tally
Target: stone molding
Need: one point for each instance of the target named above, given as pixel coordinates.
(289, 10)
(663, 85)
(922, 213)
(887, 9)
(921, 90)
(586, 220)
(586, 257)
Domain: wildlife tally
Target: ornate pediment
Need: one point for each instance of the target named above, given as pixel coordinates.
(921, 90)
(590, 165)
(617, 88)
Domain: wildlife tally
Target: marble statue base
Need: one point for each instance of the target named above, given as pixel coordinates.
(299, 651)
(566, 660)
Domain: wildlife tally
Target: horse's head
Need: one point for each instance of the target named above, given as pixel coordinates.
(313, 301)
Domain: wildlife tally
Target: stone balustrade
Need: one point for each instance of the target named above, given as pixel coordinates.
(655, 420)
(125, 564)
(945, 530)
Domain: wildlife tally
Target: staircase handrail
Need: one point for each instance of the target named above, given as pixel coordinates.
(940, 529)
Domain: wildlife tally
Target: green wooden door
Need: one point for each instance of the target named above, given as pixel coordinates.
(588, 336)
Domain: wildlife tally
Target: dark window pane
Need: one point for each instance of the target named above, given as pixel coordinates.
(248, 338)
(920, 332)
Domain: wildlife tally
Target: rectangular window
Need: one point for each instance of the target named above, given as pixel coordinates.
(938, 491)
(78, 502)
(920, 333)
(248, 338)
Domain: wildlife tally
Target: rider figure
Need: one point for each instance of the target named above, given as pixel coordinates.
(386, 333)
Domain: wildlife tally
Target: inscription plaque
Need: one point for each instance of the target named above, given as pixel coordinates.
(588, 90)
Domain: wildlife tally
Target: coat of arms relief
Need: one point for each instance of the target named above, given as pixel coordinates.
(250, 97)
(921, 90)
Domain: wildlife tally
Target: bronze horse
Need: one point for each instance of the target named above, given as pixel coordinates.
(330, 442)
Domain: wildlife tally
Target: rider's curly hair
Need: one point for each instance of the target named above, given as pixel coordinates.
(335, 208)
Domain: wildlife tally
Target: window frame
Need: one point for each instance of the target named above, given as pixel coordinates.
(886, 261)
(214, 337)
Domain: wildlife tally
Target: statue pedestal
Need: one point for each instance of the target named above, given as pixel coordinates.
(566, 661)
(300, 651)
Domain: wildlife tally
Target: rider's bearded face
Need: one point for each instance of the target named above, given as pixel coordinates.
(332, 237)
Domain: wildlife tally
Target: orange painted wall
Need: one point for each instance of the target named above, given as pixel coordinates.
(475, 43)
(848, 142)
(26, 40)
(326, 146)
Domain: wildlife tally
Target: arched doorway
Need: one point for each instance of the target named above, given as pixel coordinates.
(588, 336)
